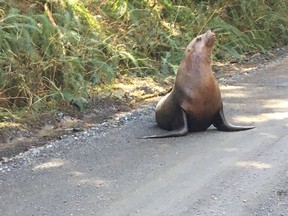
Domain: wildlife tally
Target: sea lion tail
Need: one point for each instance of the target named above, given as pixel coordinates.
(221, 124)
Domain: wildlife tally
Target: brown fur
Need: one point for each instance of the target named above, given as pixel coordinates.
(195, 100)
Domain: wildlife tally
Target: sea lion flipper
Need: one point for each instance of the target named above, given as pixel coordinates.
(221, 124)
(183, 130)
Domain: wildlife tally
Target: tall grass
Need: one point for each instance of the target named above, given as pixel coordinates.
(58, 49)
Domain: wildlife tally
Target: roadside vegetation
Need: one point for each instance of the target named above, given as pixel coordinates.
(66, 50)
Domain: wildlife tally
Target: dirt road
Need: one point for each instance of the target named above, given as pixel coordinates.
(107, 171)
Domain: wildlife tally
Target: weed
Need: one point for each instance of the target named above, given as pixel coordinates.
(57, 50)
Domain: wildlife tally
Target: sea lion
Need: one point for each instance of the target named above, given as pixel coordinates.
(195, 100)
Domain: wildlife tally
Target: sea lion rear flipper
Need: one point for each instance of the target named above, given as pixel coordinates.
(221, 124)
(174, 133)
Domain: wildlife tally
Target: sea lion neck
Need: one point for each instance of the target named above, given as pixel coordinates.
(196, 57)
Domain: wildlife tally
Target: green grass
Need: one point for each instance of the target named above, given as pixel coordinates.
(43, 61)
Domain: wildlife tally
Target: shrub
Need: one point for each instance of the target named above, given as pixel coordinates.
(58, 49)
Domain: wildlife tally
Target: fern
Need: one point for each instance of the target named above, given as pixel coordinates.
(92, 42)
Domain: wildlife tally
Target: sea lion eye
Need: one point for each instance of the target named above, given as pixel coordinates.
(198, 39)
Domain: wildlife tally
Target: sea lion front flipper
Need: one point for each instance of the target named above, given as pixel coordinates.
(183, 130)
(221, 124)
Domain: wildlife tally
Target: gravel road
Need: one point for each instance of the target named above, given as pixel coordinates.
(108, 171)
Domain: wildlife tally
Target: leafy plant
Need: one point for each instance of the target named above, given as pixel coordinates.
(58, 50)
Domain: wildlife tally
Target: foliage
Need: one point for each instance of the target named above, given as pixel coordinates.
(58, 49)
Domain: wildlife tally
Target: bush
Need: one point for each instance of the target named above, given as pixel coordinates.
(58, 49)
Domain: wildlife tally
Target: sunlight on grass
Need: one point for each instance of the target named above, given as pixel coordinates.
(133, 89)
(171, 28)
(248, 69)
(10, 125)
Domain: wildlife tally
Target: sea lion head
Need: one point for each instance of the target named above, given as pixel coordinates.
(201, 46)
(209, 38)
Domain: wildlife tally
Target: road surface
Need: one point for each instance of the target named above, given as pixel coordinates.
(109, 172)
